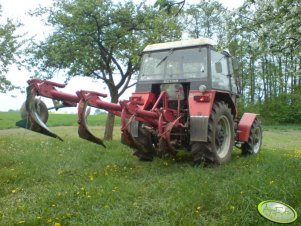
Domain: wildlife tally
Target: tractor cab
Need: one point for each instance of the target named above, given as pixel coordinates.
(191, 63)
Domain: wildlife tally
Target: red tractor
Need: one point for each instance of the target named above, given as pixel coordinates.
(185, 98)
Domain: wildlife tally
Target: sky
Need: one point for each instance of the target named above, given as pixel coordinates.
(17, 10)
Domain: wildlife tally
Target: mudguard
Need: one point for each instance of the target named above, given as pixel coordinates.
(200, 105)
(244, 126)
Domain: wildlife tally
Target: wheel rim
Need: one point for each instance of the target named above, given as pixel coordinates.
(222, 136)
(257, 140)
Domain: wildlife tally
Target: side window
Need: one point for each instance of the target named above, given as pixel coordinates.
(220, 78)
(233, 82)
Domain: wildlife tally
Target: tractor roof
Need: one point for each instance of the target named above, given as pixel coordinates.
(180, 44)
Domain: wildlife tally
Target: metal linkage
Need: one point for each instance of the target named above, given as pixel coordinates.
(162, 120)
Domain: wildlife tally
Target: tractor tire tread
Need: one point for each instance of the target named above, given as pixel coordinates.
(203, 152)
(144, 150)
(247, 148)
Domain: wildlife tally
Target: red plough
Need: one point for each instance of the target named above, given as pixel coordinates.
(157, 120)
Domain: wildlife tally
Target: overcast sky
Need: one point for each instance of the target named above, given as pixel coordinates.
(17, 10)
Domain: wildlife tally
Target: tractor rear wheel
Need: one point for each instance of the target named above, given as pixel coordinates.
(220, 141)
(253, 145)
(145, 149)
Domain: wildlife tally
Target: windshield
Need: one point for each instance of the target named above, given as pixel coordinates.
(175, 64)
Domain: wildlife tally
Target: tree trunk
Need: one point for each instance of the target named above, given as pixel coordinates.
(108, 135)
(263, 65)
(109, 127)
(286, 76)
(252, 80)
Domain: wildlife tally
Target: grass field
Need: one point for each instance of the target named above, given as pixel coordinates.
(47, 182)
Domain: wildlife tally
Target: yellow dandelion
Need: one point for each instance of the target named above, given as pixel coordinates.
(57, 224)
(14, 191)
(298, 153)
(197, 209)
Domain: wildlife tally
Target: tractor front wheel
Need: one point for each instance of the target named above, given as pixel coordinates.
(220, 141)
(253, 145)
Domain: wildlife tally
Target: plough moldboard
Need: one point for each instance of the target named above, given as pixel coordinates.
(156, 120)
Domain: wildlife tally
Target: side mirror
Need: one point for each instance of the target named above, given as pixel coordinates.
(235, 64)
(218, 67)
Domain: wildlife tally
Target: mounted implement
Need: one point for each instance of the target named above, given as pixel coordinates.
(185, 98)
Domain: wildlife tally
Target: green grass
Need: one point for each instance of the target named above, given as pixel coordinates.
(285, 127)
(9, 119)
(44, 181)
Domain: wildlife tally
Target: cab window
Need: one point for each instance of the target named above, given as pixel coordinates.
(219, 71)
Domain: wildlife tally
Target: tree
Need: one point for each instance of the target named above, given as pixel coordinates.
(168, 5)
(9, 47)
(264, 36)
(207, 19)
(284, 19)
(101, 40)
